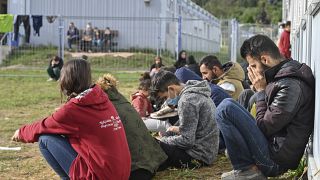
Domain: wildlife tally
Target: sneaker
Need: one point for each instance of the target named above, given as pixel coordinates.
(50, 79)
(243, 175)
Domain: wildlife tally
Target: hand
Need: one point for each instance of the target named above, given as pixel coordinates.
(257, 79)
(174, 129)
(16, 137)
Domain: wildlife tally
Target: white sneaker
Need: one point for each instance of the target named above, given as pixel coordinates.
(243, 175)
(50, 79)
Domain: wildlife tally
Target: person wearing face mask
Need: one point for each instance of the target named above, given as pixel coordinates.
(195, 135)
(228, 76)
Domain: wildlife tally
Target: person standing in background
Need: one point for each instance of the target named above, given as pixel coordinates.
(284, 43)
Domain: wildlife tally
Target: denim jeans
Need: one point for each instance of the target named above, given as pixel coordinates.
(58, 153)
(245, 143)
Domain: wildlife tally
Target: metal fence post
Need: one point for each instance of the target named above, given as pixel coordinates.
(61, 37)
(234, 40)
(179, 38)
(159, 38)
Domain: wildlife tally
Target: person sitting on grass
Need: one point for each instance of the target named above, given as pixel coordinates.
(157, 60)
(229, 76)
(84, 138)
(195, 136)
(217, 94)
(54, 68)
(139, 99)
(146, 154)
(276, 139)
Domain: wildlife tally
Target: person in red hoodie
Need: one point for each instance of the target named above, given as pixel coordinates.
(84, 138)
(139, 100)
(284, 43)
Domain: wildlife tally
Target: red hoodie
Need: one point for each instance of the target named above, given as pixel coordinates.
(284, 44)
(142, 104)
(95, 131)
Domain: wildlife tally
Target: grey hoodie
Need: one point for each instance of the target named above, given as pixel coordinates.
(198, 128)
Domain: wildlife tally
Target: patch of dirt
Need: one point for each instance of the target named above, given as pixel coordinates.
(99, 54)
(18, 66)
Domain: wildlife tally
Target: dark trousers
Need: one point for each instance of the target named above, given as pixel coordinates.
(85, 45)
(141, 174)
(177, 157)
(26, 23)
(54, 73)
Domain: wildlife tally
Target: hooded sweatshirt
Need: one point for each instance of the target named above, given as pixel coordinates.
(217, 93)
(285, 111)
(95, 132)
(198, 129)
(142, 104)
(146, 153)
(284, 44)
(233, 74)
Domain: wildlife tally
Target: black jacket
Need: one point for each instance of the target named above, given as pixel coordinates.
(285, 111)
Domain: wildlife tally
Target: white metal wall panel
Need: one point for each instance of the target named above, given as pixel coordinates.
(140, 33)
(315, 57)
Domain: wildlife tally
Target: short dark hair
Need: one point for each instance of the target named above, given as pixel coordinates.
(162, 80)
(191, 60)
(210, 61)
(258, 45)
(56, 58)
(288, 23)
(75, 77)
(145, 85)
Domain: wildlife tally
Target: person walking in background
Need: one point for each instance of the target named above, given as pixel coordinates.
(84, 138)
(284, 43)
(54, 68)
(72, 35)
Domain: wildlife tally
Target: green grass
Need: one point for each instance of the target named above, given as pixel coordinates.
(38, 57)
(141, 59)
(24, 99)
(26, 96)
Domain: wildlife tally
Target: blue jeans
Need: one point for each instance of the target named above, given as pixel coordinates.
(58, 153)
(246, 144)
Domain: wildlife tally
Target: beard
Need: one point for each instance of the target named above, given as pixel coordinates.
(264, 67)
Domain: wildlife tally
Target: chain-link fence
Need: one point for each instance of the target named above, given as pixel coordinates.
(112, 42)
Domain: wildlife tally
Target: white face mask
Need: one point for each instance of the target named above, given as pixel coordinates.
(88, 26)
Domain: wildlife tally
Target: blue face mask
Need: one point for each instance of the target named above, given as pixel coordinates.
(173, 101)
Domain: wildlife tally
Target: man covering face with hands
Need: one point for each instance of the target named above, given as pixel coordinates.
(275, 141)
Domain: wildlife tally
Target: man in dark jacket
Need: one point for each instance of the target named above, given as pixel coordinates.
(275, 141)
